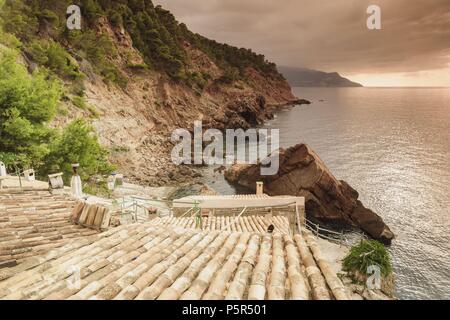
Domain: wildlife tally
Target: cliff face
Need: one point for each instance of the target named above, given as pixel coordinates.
(144, 74)
(302, 173)
(139, 119)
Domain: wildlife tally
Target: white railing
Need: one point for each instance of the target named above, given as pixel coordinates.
(339, 237)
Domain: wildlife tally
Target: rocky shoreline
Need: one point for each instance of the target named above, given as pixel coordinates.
(303, 173)
(150, 163)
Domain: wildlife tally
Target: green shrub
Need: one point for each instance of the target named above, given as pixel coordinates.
(119, 149)
(230, 76)
(78, 144)
(9, 40)
(49, 16)
(115, 18)
(137, 67)
(37, 52)
(111, 74)
(54, 57)
(79, 102)
(27, 104)
(63, 110)
(77, 88)
(196, 81)
(97, 49)
(19, 19)
(61, 63)
(91, 10)
(365, 254)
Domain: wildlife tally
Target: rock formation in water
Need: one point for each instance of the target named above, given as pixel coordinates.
(303, 173)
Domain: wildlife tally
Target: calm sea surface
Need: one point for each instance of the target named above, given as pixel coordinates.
(393, 146)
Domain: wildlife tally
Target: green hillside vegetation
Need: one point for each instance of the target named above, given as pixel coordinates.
(40, 61)
(155, 33)
(28, 103)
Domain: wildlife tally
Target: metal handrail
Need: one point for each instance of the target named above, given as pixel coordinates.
(319, 228)
(316, 228)
(135, 202)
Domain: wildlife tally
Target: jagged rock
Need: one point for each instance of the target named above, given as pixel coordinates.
(300, 102)
(302, 173)
(207, 191)
(245, 112)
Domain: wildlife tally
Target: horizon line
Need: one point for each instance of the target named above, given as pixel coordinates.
(437, 87)
(411, 87)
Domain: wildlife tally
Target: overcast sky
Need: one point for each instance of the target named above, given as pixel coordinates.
(413, 47)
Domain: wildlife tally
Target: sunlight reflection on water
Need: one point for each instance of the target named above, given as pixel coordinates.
(393, 146)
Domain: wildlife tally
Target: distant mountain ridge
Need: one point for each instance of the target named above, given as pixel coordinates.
(303, 77)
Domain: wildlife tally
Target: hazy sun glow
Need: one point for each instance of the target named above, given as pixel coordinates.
(427, 78)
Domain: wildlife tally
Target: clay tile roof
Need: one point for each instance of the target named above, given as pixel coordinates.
(249, 223)
(34, 222)
(236, 201)
(149, 261)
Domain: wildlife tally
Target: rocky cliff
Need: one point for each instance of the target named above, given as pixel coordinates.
(136, 123)
(303, 173)
(138, 73)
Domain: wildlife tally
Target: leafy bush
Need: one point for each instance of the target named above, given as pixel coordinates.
(79, 102)
(78, 144)
(19, 19)
(49, 16)
(91, 9)
(61, 63)
(137, 67)
(196, 80)
(115, 18)
(27, 103)
(365, 254)
(53, 56)
(112, 75)
(230, 76)
(7, 39)
(119, 149)
(97, 49)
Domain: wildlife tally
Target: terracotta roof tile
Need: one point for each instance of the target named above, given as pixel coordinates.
(33, 222)
(165, 258)
(250, 223)
(146, 261)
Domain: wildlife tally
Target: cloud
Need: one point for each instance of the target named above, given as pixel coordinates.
(330, 35)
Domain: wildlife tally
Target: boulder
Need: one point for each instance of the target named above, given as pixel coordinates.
(303, 173)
